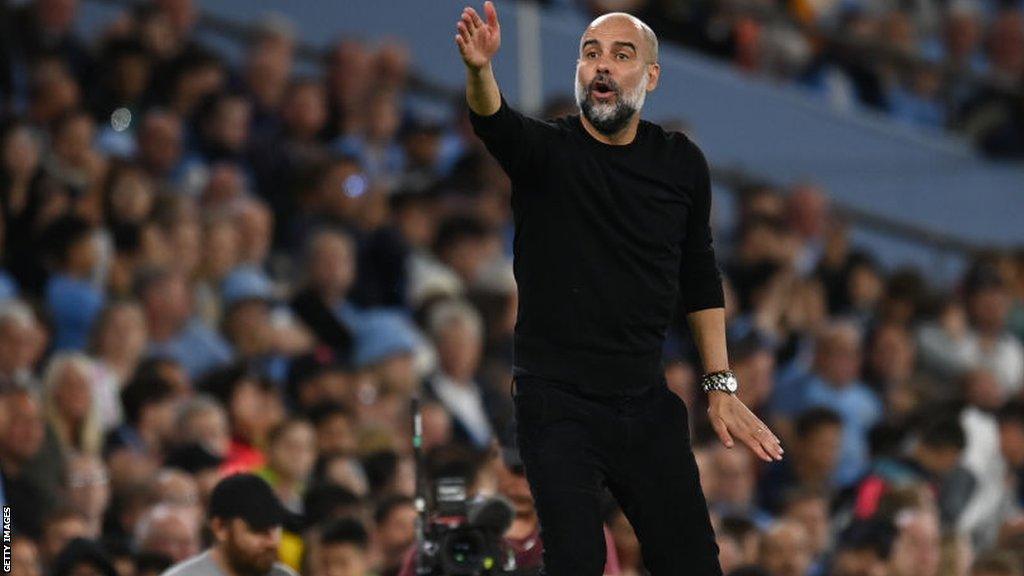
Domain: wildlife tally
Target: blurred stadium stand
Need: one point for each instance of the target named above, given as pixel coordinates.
(915, 195)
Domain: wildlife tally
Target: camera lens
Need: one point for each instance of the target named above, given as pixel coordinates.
(464, 549)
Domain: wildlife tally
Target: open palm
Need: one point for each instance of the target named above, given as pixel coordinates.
(478, 41)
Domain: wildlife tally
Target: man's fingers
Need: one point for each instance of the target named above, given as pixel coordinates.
(772, 449)
(723, 432)
(474, 18)
(755, 445)
(492, 14)
(764, 437)
(463, 31)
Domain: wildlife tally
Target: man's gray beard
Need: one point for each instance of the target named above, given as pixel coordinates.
(606, 117)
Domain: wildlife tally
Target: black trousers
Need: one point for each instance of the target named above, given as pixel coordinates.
(574, 446)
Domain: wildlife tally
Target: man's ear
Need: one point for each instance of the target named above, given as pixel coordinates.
(653, 74)
(220, 528)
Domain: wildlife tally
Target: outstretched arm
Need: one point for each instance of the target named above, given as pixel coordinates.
(478, 42)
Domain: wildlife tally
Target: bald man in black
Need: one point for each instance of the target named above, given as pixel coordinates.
(611, 227)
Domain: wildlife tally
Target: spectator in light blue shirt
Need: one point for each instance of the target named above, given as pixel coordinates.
(175, 332)
(74, 296)
(835, 384)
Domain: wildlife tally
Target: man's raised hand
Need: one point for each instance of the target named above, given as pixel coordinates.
(478, 41)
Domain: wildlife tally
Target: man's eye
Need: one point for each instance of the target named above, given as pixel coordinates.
(591, 55)
(622, 56)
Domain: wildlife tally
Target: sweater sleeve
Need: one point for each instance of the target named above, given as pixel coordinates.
(514, 139)
(700, 281)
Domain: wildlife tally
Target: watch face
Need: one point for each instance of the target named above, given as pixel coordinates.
(731, 384)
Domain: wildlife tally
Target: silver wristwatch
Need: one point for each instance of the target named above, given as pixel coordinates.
(723, 381)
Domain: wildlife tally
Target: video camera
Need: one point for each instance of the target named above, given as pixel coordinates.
(461, 537)
(464, 537)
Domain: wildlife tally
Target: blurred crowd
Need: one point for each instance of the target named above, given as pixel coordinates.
(213, 267)
(835, 49)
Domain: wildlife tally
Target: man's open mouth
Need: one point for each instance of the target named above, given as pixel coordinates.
(602, 90)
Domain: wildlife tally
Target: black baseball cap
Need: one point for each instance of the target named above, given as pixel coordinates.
(250, 498)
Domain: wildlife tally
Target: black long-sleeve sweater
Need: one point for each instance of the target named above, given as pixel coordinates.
(606, 238)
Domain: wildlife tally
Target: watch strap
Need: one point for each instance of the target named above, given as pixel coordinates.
(718, 381)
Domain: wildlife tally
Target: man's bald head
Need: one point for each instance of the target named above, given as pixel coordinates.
(650, 53)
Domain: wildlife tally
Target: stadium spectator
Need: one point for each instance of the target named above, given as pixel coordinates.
(174, 331)
(117, 345)
(245, 518)
(786, 549)
(251, 410)
(82, 556)
(343, 549)
(23, 455)
(59, 528)
(70, 403)
(73, 295)
(202, 420)
(168, 530)
(394, 534)
(934, 460)
(88, 490)
(917, 547)
(814, 457)
(733, 491)
(457, 331)
(291, 455)
(150, 401)
(835, 384)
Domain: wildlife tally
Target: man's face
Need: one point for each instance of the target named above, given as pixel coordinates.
(25, 431)
(211, 428)
(88, 485)
(332, 267)
(25, 558)
(57, 535)
(757, 375)
(160, 417)
(917, 548)
(786, 550)
(813, 515)
(249, 552)
(160, 143)
(990, 307)
(398, 531)
(839, 360)
(820, 449)
(18, 346)
(459, 347)
(614, 72)
(73, 394)
(174, 538)
(734, 471)
(342, 559)
(293, 454)
(941, 460)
